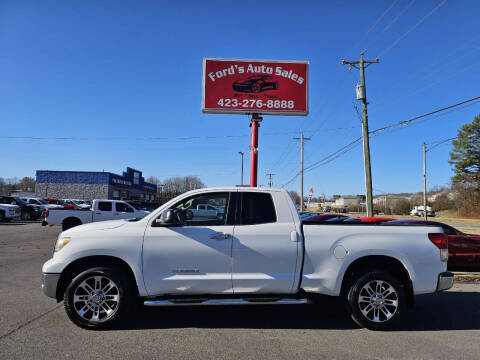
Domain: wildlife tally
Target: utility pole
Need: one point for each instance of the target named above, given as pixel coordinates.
(302, 141)
(425, 180)
(270, 182)
(362, 95)
(241, 179)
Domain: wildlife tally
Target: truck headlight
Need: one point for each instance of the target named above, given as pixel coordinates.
(61, 242)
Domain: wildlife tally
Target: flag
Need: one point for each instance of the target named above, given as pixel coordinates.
(310, 194)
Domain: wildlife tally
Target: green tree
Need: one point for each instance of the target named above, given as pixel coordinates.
(465, 156)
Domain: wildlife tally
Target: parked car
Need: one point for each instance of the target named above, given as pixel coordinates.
(327, 208)
(82, 204)
(67, 204)
(324, 217)
(342, 210)
(74, 204)
(206, 211)
(101, 210)
(28, 212)
(369, 219)
(463, 249)
(418, 211)
(44, 205)
(9, 212)
(167, 258)
(143, 205)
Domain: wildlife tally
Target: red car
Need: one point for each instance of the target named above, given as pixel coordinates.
(463, 249)
(371, 220)
(60, 202)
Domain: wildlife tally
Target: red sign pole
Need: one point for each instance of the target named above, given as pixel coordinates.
(254, 149)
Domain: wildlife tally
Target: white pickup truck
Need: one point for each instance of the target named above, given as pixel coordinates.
(101, 210)
(259, 252)
(9, 212)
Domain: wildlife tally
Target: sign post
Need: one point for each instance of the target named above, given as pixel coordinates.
(255, 124)
(256, 87)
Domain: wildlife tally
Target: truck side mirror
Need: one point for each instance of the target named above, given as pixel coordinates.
(167, 219)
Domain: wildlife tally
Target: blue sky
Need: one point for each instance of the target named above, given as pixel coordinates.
(113, 74)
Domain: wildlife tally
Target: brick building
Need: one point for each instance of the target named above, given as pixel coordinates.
(89, 185)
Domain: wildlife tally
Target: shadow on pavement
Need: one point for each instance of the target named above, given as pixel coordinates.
(13, 223)
(432, 312)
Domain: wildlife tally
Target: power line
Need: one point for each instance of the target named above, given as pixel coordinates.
(376, 22)
(429, 85)
(409, 121)
(390, 25)
(325, 160)
(119, 138)
(437, 64)
(346, 148)
(440, 142)
(412, 28)
(336, 154)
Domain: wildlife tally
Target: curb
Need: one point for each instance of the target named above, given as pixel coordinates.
(467, 278)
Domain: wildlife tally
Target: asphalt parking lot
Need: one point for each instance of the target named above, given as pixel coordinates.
(32, 326)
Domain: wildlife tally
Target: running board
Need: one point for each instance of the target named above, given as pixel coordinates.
(224, 302)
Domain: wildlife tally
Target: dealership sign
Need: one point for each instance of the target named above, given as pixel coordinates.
(255, 86)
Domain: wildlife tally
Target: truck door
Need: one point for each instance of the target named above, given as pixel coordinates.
(194, 257)
(264, 257)
(123, 211)
(103, 211)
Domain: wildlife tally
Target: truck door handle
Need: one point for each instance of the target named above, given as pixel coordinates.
(220, 236)
(98, 213)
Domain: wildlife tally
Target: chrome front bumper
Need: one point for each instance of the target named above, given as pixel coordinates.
(49, 284)
(445, 281)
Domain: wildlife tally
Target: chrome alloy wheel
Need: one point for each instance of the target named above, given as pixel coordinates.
(96, 299)
(378, 301)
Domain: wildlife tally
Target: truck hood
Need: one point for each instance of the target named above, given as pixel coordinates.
(100, 225)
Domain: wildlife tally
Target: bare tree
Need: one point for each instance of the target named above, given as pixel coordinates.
(295, 196)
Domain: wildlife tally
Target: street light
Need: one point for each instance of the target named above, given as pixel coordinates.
(241, 180)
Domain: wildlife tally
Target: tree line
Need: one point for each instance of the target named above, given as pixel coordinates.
(174, 186)
(24, 184)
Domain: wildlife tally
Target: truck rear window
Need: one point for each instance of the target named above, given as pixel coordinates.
(104, 206)
(257, 208)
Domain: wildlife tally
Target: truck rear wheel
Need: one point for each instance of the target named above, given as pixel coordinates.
(98, 298)
(376, 300)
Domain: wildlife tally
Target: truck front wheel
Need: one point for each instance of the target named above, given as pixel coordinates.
(98, 298)
(69, 223)
(376, 300)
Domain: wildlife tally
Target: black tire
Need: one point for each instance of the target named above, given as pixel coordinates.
(25, 216)
(69, 223)
(256, 88)
(123, 289)
(2, 216)
(380, 311)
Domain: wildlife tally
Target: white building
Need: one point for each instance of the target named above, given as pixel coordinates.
(346, 200)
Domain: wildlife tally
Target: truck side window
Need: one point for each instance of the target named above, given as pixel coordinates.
(189, 211)
(105, 206)
(257, 208)
(122, 207)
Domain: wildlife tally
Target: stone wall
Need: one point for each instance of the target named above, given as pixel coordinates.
(72, 191)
